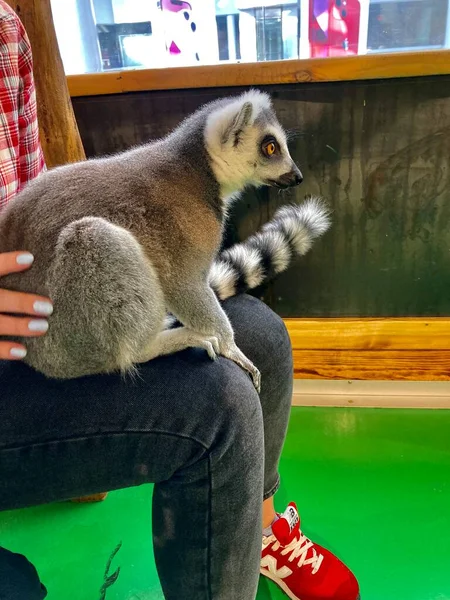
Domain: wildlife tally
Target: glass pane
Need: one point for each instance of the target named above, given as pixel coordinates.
(290, 30)
(410, 24)
(100, 35)
(269, 35)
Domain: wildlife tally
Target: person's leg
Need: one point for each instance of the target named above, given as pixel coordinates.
(263, 337)
(191, 425)
(269, 513)
(301, 568)
(18, 578)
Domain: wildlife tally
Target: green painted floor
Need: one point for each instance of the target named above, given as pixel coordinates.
(372, 485)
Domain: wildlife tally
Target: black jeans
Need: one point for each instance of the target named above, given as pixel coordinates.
(194, 427)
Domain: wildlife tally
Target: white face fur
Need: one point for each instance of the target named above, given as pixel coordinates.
(247, 146)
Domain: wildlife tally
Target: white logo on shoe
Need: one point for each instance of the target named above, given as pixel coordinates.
(291, 516)
(271, 564)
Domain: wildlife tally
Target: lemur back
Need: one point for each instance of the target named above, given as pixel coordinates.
(120, 241)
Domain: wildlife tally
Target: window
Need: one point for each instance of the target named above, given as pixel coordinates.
(100, 35)
(407, 25)
(269, 36)
(276, 32)
(228, 37)
(125, 45)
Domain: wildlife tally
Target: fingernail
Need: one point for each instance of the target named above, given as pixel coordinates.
(17, 352)
(25, 259)
(42, 307)
(38, 325)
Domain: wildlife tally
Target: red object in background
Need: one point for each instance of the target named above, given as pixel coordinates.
(334, 27)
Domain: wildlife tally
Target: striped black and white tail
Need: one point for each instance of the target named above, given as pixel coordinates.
(289, 234)
(247, 265)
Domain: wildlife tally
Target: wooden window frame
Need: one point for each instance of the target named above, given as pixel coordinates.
(369, 66)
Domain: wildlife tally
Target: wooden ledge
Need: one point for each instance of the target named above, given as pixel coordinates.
(371, 394)
(409, 349)
(370, 66)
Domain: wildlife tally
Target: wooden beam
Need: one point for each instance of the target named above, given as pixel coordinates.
(371, 349)
(392, 365)
(370, 66)
(371, 394)
(370, 334)
(60, 138)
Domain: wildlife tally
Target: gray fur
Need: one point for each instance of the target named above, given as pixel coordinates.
(119, 242)
(239, 123)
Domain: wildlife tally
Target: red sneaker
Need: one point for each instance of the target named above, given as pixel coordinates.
(302, 569)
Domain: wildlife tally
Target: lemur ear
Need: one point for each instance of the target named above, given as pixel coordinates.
(238, 123)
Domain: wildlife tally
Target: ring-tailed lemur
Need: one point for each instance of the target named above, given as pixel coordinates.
(121, 241)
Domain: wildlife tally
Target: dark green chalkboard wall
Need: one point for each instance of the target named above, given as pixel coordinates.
(379, 152)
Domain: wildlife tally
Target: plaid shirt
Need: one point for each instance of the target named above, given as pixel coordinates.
(21, 157)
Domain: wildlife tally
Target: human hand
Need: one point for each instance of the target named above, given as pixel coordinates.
(20, 303)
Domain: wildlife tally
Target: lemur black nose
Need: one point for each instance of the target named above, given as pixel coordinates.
(290, 179)
(296, 176)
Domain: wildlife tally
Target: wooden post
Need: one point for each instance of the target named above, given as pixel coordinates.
(58, 129)
(60, 138)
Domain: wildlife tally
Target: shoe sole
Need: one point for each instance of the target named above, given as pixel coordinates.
(283, 586)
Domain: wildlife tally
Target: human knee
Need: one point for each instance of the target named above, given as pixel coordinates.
(236, 402)
(260, 333)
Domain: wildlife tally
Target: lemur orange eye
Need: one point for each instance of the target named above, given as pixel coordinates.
(269, 148)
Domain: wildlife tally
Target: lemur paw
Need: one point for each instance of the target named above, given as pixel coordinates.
(211, 345)
(232, 352)
(208, 343)
(256, 377)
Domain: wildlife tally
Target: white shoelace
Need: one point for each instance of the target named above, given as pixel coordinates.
(299, 549)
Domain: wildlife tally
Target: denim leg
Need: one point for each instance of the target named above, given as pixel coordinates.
(207, 515)
(262, 336)
(191, 426)
(18, 578)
